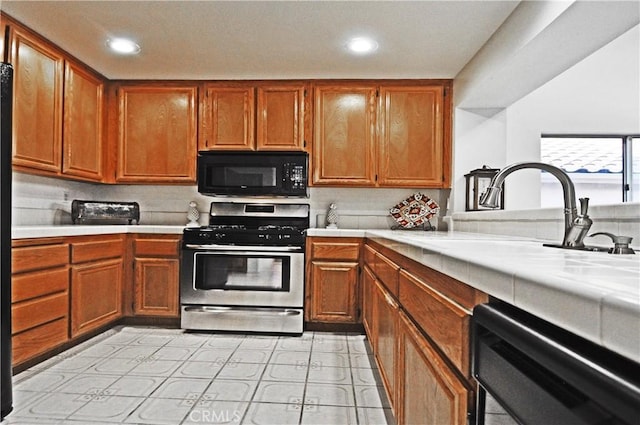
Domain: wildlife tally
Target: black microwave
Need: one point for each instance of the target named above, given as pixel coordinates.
(253, 173)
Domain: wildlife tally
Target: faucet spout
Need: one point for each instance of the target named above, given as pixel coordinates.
(571, 238)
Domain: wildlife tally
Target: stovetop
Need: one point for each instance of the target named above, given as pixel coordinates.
(254, 224)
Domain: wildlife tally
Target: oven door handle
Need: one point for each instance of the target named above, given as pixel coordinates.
(213, 247)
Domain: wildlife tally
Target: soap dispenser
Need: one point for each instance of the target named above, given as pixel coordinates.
(620, 243)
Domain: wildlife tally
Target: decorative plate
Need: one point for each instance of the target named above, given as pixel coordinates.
(414, 211)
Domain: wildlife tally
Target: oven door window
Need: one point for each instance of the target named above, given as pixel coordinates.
(242, 272)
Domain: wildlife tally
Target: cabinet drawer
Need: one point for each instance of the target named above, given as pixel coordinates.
(157, 247)
(82, 252)
(369, 257)
(39, 257)
(445, 322)
(388, 273)
(29, 314)
(36, 284)
(38, 340)
(335, 250)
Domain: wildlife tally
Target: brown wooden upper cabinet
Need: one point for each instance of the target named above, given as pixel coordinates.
(157, 133)
(344, 135)
(82, 141)
(411, 140)
(244, 116)
(382, 135)
(37, 104)
(58, 111)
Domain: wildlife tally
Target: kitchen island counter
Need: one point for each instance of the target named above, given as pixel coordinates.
(592, 294)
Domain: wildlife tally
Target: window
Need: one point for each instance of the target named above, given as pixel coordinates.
(603, 168)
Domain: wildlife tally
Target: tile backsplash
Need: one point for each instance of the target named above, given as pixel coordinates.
(548, 223)
(47, 201)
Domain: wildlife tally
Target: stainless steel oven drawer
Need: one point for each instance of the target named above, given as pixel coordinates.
(247, 319)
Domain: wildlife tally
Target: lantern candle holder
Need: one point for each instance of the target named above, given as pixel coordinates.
(477, 182)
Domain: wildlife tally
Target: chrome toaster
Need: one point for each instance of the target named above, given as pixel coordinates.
(104, 212)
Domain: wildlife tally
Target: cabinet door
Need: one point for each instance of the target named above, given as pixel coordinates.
(37, 103)
(157, 134)
(386, 328)
(82, 136)
(156, 287)
(428, 390)
(368, 319)
(96, 294)
(228, 118)
(344, 136)
(280, 118)
(334, 288)
(411, 136)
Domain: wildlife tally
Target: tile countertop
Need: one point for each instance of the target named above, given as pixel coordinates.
(25, 232)
(592, 294)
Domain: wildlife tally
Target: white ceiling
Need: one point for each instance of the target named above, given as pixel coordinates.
(268, 39)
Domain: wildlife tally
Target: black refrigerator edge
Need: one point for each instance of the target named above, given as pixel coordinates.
(6, 91)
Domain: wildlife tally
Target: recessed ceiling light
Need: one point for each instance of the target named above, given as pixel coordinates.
(362, 45)
(123, 46)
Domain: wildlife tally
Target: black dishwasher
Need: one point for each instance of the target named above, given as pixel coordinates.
(542, 374)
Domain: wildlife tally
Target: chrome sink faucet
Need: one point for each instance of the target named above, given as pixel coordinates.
(576, 226)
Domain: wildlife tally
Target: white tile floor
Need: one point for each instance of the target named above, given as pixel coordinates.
(135, 375)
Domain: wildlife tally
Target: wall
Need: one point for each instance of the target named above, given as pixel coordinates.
(47, 201)
(600, 94)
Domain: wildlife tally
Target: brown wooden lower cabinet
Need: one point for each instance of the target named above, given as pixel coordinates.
(96, 294)
(29, 344)
(97, 266)
(429, 392)
(156, 289)
(417, 321)
(332, 284)
(334, 296)
(63, 288)
(39, 297)
(156, 275)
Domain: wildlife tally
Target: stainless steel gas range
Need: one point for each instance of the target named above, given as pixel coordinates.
(245, 270)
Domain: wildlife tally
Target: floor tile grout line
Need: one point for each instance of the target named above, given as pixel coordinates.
(258, 384)
(345, 338)
(212, 380)
(306, 380)
(147, 397)
(353, 383)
